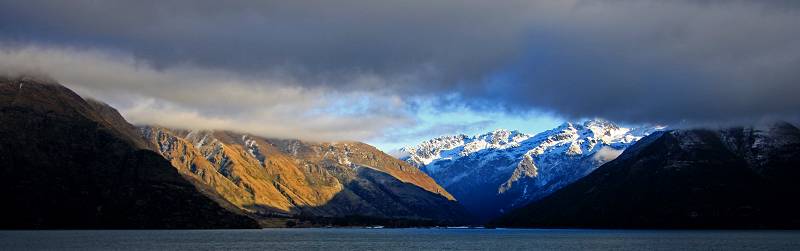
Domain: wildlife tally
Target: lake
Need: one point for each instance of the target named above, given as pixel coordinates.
(400, 239)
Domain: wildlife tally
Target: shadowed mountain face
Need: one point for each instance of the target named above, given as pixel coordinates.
(734, 178)
(269, 177)
(70, 163)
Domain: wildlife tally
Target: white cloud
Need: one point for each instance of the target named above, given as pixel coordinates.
(185, 96)
(606, 154)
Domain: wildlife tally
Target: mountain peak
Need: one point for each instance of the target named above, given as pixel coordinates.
(686, 178)
(501, 169)
(566, 125)
(77, 164)
(598, 122)
(287, 176)
(500, 137)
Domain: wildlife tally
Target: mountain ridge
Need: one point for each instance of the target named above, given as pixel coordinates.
(171, 178)
(693, 178)
(493, 172)
(67, 164)
(294, 178)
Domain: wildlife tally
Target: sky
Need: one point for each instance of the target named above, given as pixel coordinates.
(393, 73)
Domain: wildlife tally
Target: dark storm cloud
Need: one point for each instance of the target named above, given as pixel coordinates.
(663, 61)
(635, 61)
(316, 41)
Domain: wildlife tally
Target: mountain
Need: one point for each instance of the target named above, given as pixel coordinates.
(292, 178)
(66, 162)
(731, 178)
(500, 170)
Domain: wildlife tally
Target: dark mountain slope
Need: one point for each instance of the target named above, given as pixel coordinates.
(735, 178)
(69, 163)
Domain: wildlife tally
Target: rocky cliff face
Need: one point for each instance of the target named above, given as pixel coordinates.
(732, 178)
(501, 170)
(70, 163)
(270, 177)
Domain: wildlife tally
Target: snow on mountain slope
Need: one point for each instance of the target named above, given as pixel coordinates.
(739, 177)
(494, 172)
(453, 147)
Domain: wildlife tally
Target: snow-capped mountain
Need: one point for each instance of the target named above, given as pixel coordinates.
(494, 172)
(740, 177)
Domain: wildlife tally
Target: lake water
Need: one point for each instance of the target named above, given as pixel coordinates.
(399, 239)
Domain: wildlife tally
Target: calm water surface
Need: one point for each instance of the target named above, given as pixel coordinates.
(399, 239)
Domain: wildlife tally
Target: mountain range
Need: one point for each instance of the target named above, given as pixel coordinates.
(70, 162)
(275, 177)
(66, 162)
(693, 178)
(495, 172)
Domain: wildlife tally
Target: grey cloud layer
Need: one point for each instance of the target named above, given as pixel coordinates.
(666, 61)
(199, 98)
(318, 42)
(635, 61)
